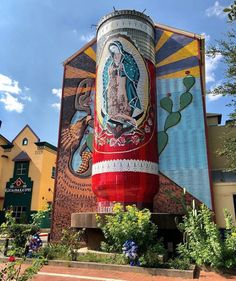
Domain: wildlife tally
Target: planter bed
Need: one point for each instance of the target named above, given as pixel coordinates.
(190, 274)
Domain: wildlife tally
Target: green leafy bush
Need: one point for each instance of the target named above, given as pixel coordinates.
(54, 251)
(19, 233)
(153, 257)
(72, 239)
(203, 243)
(229, 246)
(177, 263)
(111, 259)
(128, 224)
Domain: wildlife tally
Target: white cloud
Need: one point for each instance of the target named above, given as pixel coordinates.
(56, 105)
(8, 85)
(58, 94)
(11, 103)
(27, 98)
(11, 94)
(211, 66)
(87, 37)
(216, 10)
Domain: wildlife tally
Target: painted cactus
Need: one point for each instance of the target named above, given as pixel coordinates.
(174, 117)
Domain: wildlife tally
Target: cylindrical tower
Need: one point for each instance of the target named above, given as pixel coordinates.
(125, 159)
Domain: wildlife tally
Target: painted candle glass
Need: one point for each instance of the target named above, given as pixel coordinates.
(125, 164)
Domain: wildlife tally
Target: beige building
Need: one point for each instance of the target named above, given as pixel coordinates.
(27, 171)
(223, 183)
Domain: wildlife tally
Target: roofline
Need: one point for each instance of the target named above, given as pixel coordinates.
(7, 146)
(80, 51)
(180, 31)
(26, 126)
(1, 136)
(156, 25)
(47, 144)
(218, 115)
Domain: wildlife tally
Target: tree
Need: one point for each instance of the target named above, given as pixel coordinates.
(226, 47)
(231, 11)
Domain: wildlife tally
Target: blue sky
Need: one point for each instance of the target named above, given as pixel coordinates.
(38, 35)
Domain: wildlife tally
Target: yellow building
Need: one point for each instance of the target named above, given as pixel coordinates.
(223, 183)
(27, 172)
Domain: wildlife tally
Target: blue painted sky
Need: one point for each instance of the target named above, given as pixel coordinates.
(38, 35)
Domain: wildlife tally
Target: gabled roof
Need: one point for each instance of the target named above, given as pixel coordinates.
(22, 156)
(27, 126)
(179, 31)
(44, 143)
(5, 139)
(80, 51)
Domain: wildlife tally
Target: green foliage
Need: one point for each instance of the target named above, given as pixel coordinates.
(66, 249)
(109, 259)
(226, 48)
(38, 217)
(153, 256)
(54, 251)
(203, 244)
(228, 148)
(19, 233)
(72, 238)
(132, 224)
(231, 11)
(177, 263)
(229, 249)
(13, 270)
(202, 241)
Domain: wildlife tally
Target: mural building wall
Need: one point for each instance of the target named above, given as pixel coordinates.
(175, 115)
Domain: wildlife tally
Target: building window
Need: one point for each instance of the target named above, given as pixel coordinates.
(234, 198)
(53, 172)
(25, 141)
(19, 212)
(21, 168)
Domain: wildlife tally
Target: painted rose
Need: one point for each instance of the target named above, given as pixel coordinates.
(112, 142)
(147, 129)
(135, 139)
(102, 141)
(121, 141)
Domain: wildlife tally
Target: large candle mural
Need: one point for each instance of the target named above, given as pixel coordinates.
(125, 164)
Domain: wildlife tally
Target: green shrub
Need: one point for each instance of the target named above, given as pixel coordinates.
(72, 239)
(229, 246)
(111, 259)
(203, 244)
(128, 224)
(53, 251)
(19, 233)
(178, 263)
(153, 256)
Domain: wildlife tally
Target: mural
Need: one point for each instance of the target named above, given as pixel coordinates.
(174, 117)
(73, 190)
(182, 133)
(122, 97)
(124, 170)
(136, 77)
(79, 136)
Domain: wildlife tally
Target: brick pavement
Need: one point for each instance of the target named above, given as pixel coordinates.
(80, 274)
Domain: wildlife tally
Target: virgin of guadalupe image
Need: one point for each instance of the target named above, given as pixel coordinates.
(121, 105)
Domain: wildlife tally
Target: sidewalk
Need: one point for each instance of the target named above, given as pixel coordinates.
(55, 273)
